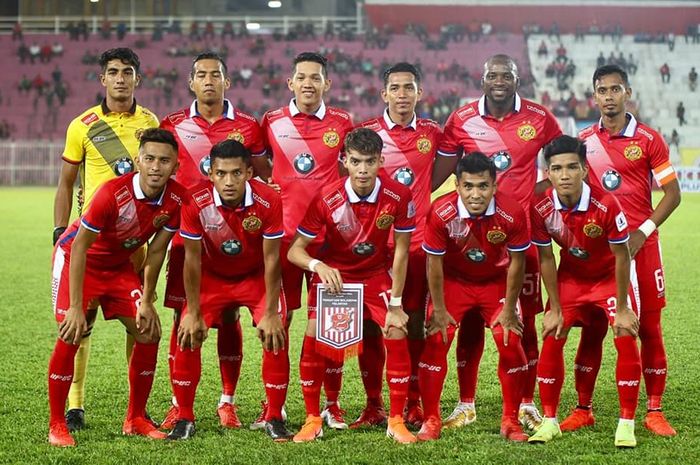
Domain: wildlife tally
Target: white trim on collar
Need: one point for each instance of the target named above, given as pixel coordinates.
(138, 192)
(628, 130)
(354, 198)
(229, 112)
(294, 110)
(464, 213)
(391, 125)
(482, 104)
(583, 203)
(247, 200)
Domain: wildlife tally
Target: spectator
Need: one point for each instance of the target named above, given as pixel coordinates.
(631, 64)
(17, 32)
(671, 39)
(680, 114)
(106, 29)
(57, 49)
(580, 33)
(600, 61)
(34, 52)
(227, 30)
(675, 139)
(542, 50)
(246, 76)
(554, 31)
(23, 52)
(194, 31)
(56, 75)
(692, 79)
(82, 30)
(209, 30)
(25, 84)
(665, 73)
(45, 53)
(157, 35)
(121, 30)
(72, 31)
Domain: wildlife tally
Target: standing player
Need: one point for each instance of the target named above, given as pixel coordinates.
(91, 261)
(210, 119)
(305, 141)
(593, 278)
(101, 143)
(511, 131)
(476, 242)
(624, 155)
(409, 151)
(232, 228)
(357, 213)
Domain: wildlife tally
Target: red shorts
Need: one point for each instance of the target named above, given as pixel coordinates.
(531, 296)
(462, 297)
(218, 294)
(118, 290)
(650, 276)
(175, 286)
(415, 291)
(580, 300)
(376, 296)
(293, 276)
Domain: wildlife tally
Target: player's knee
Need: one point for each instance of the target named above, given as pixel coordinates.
(311, 328)
(371, 329)
(395, 333)
(416, 325)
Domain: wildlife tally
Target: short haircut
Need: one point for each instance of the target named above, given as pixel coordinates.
(314, 58)
(125, 55)
(565, 144)
(209, 55)
(230, 148)
(502, 58)
(474, 163)
(402, 67)
(606, 70)
(161, 136)
(364, 141)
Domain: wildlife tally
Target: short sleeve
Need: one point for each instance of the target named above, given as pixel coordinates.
(406, 214)
(449, 145)
(660, 162)
(273, 228)
(257, 143)
(190, 225)
(540, 236)
(616, 223)
(519, 238)
(74, 150)
(435, 239)
(314, 219)
(101, 210)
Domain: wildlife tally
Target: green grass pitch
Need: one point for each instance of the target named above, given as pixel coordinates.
(27, 332)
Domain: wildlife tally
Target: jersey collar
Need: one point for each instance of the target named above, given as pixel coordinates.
(228, 109)
(105, 109)
(135, 183)
(582, 204)
(629, 129)
(482, 105)
(354, 198)
(294, 110)
(247, 198)
(464, 213)
(391, 125)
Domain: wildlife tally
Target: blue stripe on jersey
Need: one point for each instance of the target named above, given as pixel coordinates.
(67, 238)
(172, 230)
(409, 229)
(519, 248)
(88, 226)
(306, 232)
(542, 244)
(433, 251)
(194, 237)
(620, 241)
(274, 235)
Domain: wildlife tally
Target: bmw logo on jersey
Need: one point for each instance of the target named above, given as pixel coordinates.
(476, 255)
(363, 249)
(124, 165)
(304, 163)
(205, 165)
(231, 247)
(611, 180)
(404, 176)
(502, 160)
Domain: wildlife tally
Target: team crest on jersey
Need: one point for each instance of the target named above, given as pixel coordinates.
(138, 133)
(231, 247)
(252, 223)
(160, 220)
(385, 221)
(331, 138)
(476, 255)
(496, 236)
(502, 160)
(633, 152)
(237, 136)
(424, 145)
(579, 253)
(405, 176)
(527, 132)
(205, 165)
(363, 249)
(611, 180)
(124, 165)
(592, 230)
(304, 163)
(131, 242)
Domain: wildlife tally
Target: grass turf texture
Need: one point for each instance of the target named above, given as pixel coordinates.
(28, 333)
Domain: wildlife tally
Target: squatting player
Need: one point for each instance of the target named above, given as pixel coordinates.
(593, 279)
(305, 141)
(232, 227)
(101, 144)
(623, 156)
(410, 144)
(358, 213)
(510, 130)
(476, 241)
(91, 261)
(210, 119)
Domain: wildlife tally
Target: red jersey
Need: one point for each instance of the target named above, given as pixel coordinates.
(583, 232)
(125, 219)
(232, 238)
(409, 153)
(513, 143)
(475, 247)
(358, 229)
(195, 138)
(305, 152)
(625, 163)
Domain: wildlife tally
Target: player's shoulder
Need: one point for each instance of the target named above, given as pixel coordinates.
(534, 108)
(375, 124)
(425, 124)
(200, 195)
(87, 118)
(339, 114)
(465, 112)
(602, 201)
(146, 113)
(543, 204)
(333, 194)
(394, 189)
(176, 191)
(588, 132)
(177, 117)
(645, 132)
(445, 207)
(247, 117)
(272, 115)
(508, 209)
(264, 194)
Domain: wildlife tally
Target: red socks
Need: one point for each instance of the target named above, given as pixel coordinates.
(627, 374)
(275, 375)
(172, 348)
(229, 345)
(398, 372)
(512, 366)
(550, 374)
(415, 349)
(529, 343)
(653, 353)
(588, 359)
(186, 373)
(432, 372)
(371, 362)
(470, 347)
(60, 378)
(333, 379)
(311, 372)
(142, 369)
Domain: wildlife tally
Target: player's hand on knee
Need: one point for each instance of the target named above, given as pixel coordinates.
(271, 333)
(439, 321)
(330, 277)
(510, 322)
(148, 322)
(626, 323)
(395, 318)
(553, 323)
(192, 332)
(73, 326)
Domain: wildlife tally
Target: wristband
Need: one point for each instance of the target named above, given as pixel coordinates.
(312, 265)
(395, 301)
(647, 228)
(57, 231)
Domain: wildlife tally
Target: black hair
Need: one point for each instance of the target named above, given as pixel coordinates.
(606, 70)
(402, 67)
(364, 141)
(565, 144)
(474, 163)
(230, 148)
(125, 55)
(314, 58)
(161, 136)
(209, 55)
